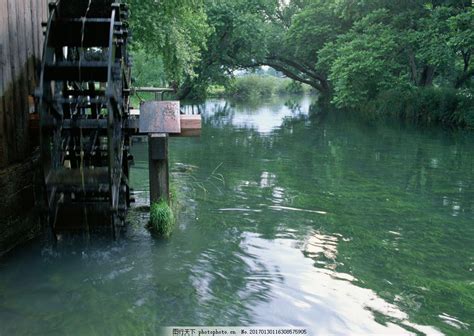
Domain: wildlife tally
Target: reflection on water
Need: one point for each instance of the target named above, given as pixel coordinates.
(328, 300)
(262, 118)
(335, 225)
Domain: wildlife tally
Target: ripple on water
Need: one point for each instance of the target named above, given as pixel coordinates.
(454, 322)
(327, 301)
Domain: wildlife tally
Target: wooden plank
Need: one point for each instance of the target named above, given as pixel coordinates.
(2, 107)
(40, 4)
(30, 45)
(191, 122)
(43, 18)
(153, 89)
(21, 112)
(191, 126)
(21, 49)
(15, 73)
(33, 17)
(3, 33)
(9, 75)
(36, 27)
(158, 167)
(45, 11)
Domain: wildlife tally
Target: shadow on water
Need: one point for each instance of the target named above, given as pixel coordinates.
(285, 219)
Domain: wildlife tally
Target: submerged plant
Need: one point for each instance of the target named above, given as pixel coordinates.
(161, 219)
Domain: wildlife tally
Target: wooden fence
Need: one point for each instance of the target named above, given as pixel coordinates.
(21, 45)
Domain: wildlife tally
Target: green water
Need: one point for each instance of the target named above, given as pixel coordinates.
(285, 219)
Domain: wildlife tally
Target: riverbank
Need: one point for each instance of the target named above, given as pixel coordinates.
(250, 87)
(420, 106)
(432, 105)
(427, 106)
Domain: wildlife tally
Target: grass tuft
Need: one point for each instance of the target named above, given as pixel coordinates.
(162, 219)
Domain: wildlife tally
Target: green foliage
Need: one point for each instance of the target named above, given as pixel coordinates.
(461, 33)
(175, 30)
(425, 106)
(305, 38)
(238, 35)
(148, 70)
(350, 51)
(294, 87)
(255, 86)
(216, 91)
(252, 86)
(366, 61)
(162, 219)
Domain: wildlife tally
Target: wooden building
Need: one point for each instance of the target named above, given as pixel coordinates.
(21, 45)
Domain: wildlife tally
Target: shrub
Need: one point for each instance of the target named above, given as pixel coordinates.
(251, 87)
(424, 106)
(294, 87)
(255, 86)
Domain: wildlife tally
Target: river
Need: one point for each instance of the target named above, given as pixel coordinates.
(285, 218)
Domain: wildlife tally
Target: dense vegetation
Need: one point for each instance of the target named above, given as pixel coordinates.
(355, 53)
(255, 86)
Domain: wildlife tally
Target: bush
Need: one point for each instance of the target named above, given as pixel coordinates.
(425, 106)
(251, 87)
(294, 87)
(255, 86)
(215, 91)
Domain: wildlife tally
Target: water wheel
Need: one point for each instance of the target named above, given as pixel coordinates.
(83, 99)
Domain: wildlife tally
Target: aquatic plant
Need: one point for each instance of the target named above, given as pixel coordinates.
(162, 219)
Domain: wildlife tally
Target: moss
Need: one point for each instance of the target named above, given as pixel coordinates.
(161, 219)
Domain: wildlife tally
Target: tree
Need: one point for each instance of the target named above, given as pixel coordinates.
(461, 39)
(364, 61)
(348, 50)
(174, 30)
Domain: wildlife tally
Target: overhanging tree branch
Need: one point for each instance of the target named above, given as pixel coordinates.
(300, 66)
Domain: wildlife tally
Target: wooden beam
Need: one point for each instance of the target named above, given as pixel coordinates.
(3, 61)
(191, 126)
(21, 113)
(13, 84)
(158, 167)
(190, 122)
(153, 89)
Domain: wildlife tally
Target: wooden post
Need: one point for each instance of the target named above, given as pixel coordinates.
(158, 165)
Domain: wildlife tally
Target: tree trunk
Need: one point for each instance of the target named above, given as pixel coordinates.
(427, 76)
(464, 78)
(413, 67)
(185, 90)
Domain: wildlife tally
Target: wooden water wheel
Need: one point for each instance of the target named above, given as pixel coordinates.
(83, 99)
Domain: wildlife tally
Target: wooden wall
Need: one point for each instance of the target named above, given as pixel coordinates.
(21, 44)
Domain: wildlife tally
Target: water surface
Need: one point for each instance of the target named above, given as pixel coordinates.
(284, 219)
